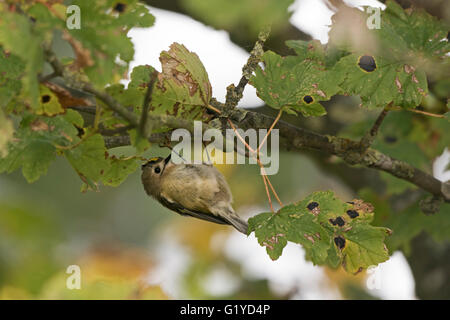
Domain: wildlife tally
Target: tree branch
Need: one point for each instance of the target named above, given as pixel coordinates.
(295, 138)
(110, 102)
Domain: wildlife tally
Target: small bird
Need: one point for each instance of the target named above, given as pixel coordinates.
(196, 190)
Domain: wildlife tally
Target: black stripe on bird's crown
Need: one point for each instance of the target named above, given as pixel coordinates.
(151, 161)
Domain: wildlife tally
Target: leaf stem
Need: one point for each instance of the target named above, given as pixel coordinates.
(426, 113)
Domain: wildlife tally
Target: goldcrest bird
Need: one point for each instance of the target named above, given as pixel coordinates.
(196, 190)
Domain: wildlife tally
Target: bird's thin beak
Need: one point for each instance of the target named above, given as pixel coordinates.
(166, 160)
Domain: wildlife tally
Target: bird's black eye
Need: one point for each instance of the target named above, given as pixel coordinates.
(157, 170)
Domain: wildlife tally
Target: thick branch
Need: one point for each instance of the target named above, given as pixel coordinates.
(296, 138)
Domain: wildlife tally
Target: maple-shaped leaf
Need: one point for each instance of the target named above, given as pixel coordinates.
(36, 141)
(388, 64)
(295, 83)
(332, 232)
(183, 87)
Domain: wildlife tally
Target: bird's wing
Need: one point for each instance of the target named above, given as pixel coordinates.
(196, 214)
(193, 188)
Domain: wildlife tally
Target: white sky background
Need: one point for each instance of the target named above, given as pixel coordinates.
(223, 61)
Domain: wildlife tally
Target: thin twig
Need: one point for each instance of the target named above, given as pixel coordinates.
(370, 135)
(112, 104)
(234, 94)
(143, 130)
(109, 101)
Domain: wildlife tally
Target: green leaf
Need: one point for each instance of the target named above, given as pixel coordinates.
(43, 19)
(388, 64)
(48, 103)
(18, 37)
(364, 247)
(183, 88)
(411, 32)
(331, 232)
(103, 33)
(11, 70)
(140, 77)
(6, 133)
(119, 170)
(93, 164)
(138, 142)
(34, 146)
(380, 81)
(295, 83)
(89, 159)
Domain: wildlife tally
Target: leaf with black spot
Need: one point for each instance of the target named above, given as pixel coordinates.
(381, 82)
(120, 7)
(352, 213)
(295, 83)
(386, 65)
(339, 221)
(312, 205)
(48, 104)
(367, 63)
(328, 237)
(340, 242)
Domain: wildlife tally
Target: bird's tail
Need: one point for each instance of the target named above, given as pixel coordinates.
(239, 224)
